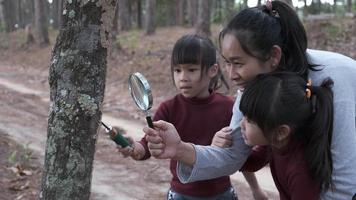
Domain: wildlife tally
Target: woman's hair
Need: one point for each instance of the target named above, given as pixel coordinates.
(197, 50)
(280, 98)
(259, 28)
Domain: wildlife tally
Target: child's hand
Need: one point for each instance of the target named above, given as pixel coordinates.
(223, 138)
(129, 150)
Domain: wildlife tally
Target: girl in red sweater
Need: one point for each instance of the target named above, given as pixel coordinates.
(194, 112)
(295, 120)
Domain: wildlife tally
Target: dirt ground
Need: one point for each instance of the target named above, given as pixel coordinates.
(24, 103)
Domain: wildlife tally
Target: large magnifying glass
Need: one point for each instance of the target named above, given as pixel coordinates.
(141, 94)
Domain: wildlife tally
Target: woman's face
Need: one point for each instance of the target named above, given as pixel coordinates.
(240, 66)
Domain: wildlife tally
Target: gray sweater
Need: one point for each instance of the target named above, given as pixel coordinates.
(212, 162)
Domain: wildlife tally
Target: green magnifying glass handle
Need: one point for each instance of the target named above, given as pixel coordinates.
(120, 140)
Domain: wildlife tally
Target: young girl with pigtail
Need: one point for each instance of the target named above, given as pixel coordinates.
(294, 120)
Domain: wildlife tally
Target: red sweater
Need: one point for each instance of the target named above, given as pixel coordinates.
(289, 171)
(197, 121)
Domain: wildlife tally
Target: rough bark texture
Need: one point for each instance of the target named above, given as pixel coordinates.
(150, 17)
(77, 84)
(203, 23)
(41, 25)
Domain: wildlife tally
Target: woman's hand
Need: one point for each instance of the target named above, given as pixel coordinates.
(163, 141)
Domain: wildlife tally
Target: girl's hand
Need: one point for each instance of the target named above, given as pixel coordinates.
(127, 151)
(223, 138)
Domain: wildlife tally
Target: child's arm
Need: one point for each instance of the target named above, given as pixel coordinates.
(257, 192)
(135, 151)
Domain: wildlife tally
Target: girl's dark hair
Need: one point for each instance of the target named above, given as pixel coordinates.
(195, 49)
(280, 98)
(257, 29)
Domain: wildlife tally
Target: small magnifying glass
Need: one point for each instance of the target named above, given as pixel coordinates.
(141, 94)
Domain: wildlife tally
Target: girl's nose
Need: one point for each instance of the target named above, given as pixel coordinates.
(183, 76)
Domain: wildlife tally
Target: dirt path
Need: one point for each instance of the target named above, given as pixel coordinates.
(114, 177)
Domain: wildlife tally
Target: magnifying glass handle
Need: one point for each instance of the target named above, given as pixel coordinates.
(116, 137)
(149, 121)
(119, 139)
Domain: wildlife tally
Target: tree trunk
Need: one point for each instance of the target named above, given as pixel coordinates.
(150, 17)
(9, 15)
(77, 84)
(54, 14)
(230, 11)
(29, 13)
(244, 5)
(60, 13)
(192, 11)
(349, 6)
(203, 24)
(139, 14)
(124, 15)
(171, 13)
(180, 12)
(41, 26)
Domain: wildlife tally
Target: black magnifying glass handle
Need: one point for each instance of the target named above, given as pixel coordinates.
(149, 121)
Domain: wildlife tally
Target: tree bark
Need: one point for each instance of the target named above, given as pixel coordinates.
(150, 17)
(41, 25)
(77, 84)
(192, 11)
(124, 15)
(203, 24)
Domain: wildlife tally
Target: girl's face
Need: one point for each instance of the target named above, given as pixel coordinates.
(251, 133)
(240, 66)
(191, 81)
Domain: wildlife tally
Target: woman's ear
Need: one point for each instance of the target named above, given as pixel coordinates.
(213, 70)
(276, 54)
(283, 132)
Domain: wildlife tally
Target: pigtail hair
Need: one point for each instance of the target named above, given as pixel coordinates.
(319, 134)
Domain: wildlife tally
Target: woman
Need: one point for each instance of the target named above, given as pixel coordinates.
(261, 40)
